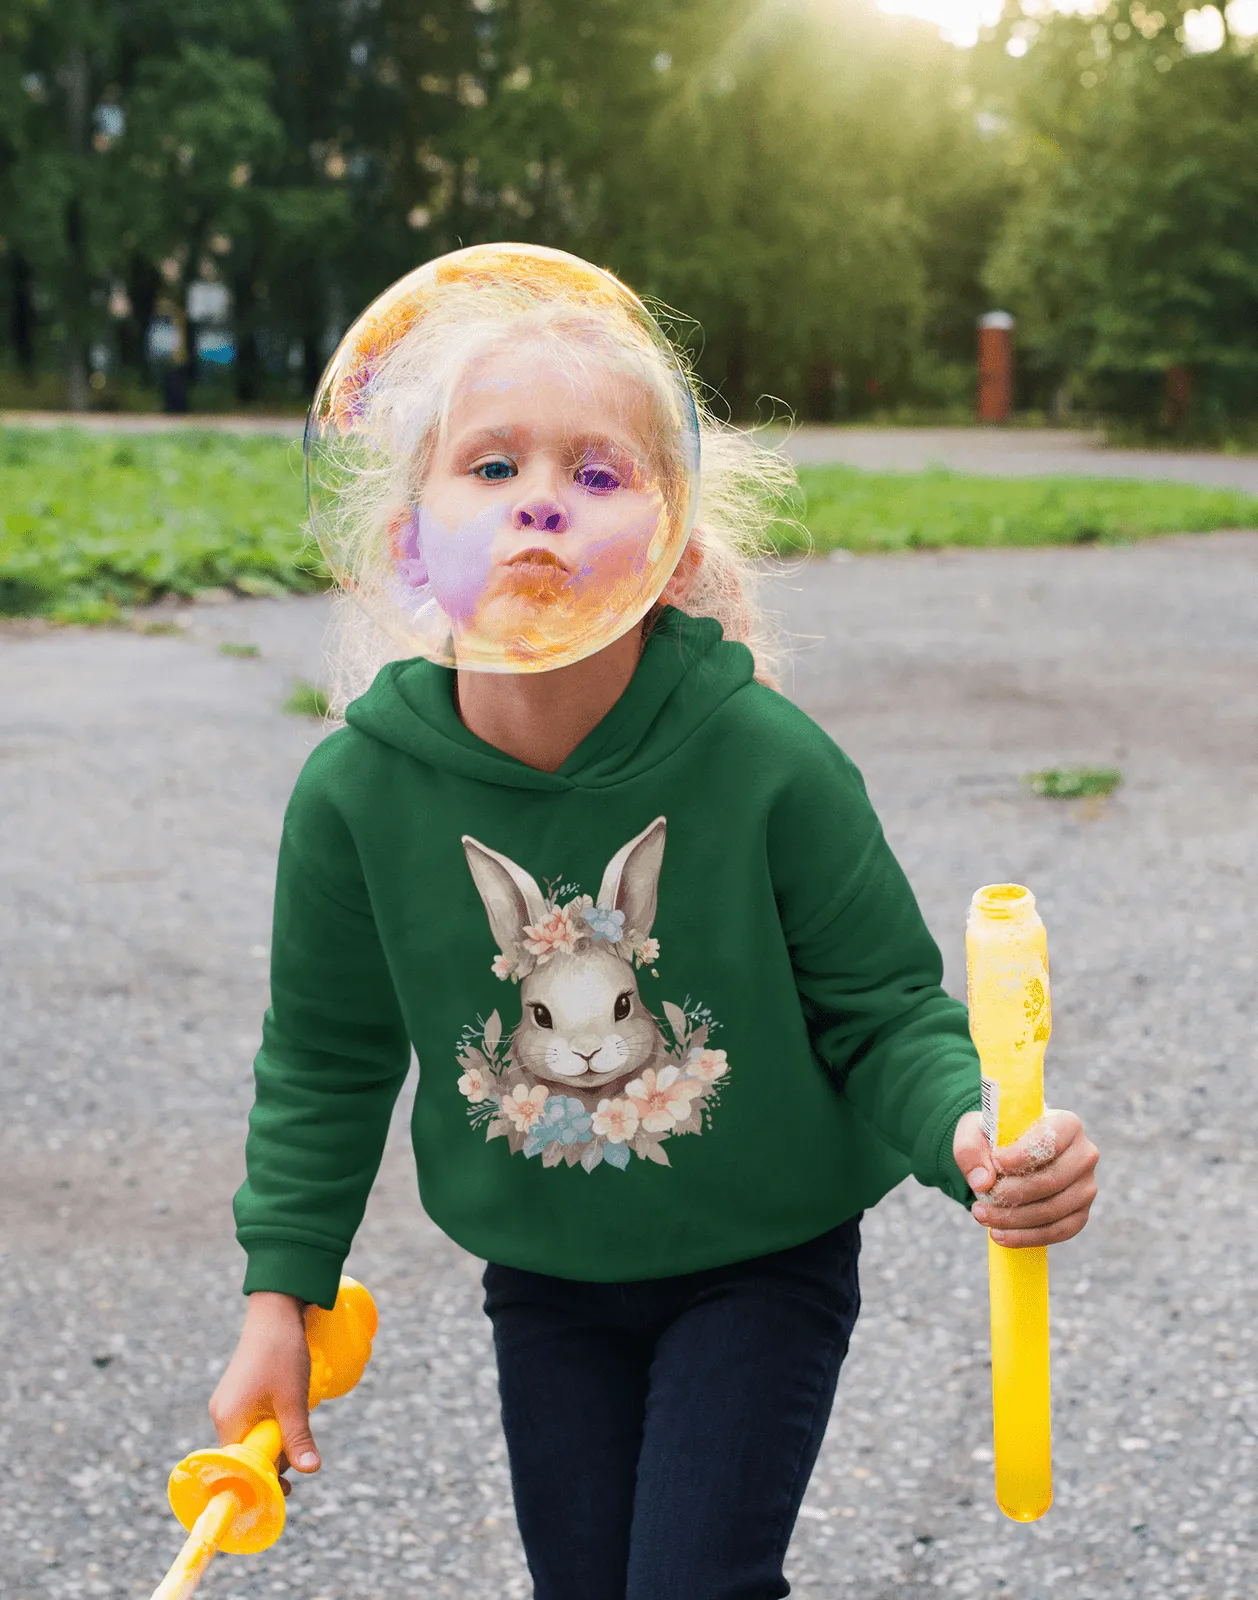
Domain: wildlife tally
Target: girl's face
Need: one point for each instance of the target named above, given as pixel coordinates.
(541, 509)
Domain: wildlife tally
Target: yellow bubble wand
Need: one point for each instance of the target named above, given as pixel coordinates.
(1006, 951)
(230, 1498)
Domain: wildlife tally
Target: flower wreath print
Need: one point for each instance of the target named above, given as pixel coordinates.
(589, 1075)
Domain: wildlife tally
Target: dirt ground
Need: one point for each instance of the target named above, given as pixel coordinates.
(142, 780)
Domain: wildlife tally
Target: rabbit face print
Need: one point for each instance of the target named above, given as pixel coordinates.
(588, 1074)
(583, 1021)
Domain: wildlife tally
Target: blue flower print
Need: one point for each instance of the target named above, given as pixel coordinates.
(564, 1120)
(605, 923)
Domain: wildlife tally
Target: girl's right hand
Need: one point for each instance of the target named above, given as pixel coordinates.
(269, 1376)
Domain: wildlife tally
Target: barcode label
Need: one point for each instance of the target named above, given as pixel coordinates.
(991, 1108)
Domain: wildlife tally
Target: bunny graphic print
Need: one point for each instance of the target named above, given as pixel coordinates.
(588, 1075)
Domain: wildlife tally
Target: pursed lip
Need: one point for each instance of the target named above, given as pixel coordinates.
(538, 556)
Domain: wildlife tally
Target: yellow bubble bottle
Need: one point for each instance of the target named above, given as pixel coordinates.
(229, 1498)
(1006, 951)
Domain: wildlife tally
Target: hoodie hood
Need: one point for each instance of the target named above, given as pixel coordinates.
(687, 670)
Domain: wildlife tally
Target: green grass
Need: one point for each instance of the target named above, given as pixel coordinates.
(1074, 783)
(227, 648)
(91, 523)
(877, 511)
(306, 701)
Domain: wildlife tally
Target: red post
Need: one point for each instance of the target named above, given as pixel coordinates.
(995, 366)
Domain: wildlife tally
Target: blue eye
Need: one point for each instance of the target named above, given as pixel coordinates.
(601, 479)
(495, 471)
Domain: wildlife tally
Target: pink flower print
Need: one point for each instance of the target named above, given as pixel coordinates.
(472, 1084)
(503, 966)
(616, 1120)
(555, 934)
(649, 951)
(706, 1065)
(522, 1106)
(661, 1098)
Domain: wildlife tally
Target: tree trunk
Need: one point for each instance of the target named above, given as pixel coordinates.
(734, 388)
(143, 286)
(75, 307)
(819, 391)
(22, 315)
(248, 363)
(248, 373)
(311, 362)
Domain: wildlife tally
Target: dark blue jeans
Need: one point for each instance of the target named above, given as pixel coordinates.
(661, 1433)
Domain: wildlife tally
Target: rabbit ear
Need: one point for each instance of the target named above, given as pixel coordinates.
(631, 882)
(512, 899)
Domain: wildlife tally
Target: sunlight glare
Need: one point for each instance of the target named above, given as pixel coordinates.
(961, 21)
(1203, 30)
(1242, 18)
(957, 20)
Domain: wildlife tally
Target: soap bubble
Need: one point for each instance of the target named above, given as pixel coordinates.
(502, 460)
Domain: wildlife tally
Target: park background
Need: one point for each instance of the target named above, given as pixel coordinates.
(821, 198)
(1035, 687)
(829, 196)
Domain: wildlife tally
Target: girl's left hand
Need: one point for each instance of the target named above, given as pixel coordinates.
(1034, 1192)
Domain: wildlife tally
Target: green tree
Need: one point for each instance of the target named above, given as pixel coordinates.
(117, 154)
(1132, 250)
(810, 185)
(17, 88)
(807, 182)
(47, 178)
(198, 124)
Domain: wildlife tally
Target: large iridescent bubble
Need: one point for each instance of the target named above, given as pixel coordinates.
(502, 459)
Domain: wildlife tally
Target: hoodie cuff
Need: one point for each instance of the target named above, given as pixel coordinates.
(303, 1270)
(935, 1164)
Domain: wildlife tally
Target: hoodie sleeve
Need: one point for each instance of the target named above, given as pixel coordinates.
(868, 972)
(334, 1056)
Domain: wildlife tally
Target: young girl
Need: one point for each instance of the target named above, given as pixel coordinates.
(678, 1016)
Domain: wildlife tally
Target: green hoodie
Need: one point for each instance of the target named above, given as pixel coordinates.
(674, 1004)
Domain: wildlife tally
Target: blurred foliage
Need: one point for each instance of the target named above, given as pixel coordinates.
(307, 700)
(1074, 783)
(91, 525)
(828, 196)
(805, 182)
(1130, 252)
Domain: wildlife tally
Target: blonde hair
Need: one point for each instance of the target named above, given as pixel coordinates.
(400, 417)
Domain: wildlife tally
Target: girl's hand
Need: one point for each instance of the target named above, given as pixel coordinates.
(269, 1376)
(1036, 1191)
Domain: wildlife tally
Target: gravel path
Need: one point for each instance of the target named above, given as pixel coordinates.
(143, 780)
